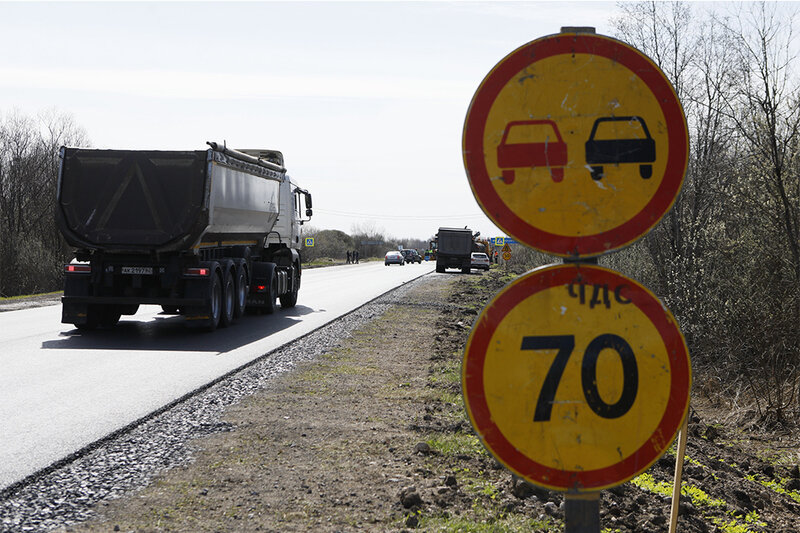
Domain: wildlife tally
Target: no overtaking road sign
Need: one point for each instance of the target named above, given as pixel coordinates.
(575, 144)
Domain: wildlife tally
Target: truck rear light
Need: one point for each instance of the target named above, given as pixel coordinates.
(196, 272)
(77, 268)
(261, 288)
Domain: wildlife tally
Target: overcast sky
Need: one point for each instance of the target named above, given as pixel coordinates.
(366, 99)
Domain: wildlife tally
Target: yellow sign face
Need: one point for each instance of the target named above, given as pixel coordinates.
(576, 377)
(570, 201)
(309, 241)
(506, 256)
(570, 146)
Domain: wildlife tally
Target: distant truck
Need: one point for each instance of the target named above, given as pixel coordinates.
(205, 234)
(453, 249)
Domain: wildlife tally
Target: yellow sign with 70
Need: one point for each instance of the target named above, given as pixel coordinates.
(576, 377)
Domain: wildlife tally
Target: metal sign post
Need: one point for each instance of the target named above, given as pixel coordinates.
(582, 513)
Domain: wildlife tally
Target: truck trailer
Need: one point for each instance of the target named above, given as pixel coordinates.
(205, 234)
(454, 249)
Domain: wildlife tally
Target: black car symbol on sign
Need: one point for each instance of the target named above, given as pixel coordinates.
(620, 150)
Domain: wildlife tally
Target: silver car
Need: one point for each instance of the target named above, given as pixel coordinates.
(479, 260)
(394, 258)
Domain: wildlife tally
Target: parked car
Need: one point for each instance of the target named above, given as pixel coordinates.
(411, 255)
(479, 260)
(393, 257)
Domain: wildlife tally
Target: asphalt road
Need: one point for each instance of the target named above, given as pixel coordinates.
(62, 389)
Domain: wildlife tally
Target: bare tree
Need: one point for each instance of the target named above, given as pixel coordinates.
(690, 54)
(725, 257)
(31, 249)
(766, 112)
(767, 117)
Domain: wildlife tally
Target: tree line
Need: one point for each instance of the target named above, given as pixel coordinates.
(726, 258)
(32, 251)
(367, 238)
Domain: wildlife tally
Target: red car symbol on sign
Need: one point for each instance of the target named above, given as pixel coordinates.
(517, 151)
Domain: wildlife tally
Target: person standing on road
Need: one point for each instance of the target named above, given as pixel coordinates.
(355, 254)
(348, 257)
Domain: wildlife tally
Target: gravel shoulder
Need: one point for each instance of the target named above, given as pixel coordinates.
(26, 302)
(369, 433)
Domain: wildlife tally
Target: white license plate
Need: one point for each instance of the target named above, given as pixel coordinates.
(137, 270)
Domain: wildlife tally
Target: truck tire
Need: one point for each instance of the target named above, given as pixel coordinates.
(228, 298)
(465, 270)
(290, 298)
(241, 286)
(170, 309)
(272, 292)
(214, 306)
(439, 268)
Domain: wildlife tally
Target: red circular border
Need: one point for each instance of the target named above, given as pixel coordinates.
(588, 245)
(507, 453)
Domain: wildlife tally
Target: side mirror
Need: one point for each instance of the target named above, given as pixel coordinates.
(308, 201)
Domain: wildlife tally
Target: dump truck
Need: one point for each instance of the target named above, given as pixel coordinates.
(453, 249)
(206, 234)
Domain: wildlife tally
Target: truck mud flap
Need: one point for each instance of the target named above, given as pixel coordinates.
(74, 313)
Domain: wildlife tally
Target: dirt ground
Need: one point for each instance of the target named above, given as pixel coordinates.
(374, 437)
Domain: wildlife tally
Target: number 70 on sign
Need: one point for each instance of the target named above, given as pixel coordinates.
(574, 392)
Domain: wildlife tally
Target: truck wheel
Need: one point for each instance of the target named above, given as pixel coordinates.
(214, 309)
(290, 298)
(465, 270)
(439, 269)
(228, 299)
(272, 293)
(241, 287)
(170, 309)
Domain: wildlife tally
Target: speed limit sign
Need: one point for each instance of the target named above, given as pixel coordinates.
(576, 377)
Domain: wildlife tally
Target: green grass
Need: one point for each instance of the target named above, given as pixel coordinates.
(776, 486)
(450, 397)
(733, 526)
(699, 497)
(447, 374)
(483, 520)
(456, 444)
